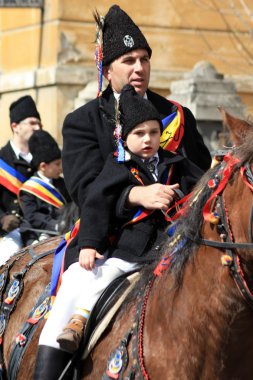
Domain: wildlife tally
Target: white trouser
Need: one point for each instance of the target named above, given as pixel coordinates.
(80, 288)
(9, 245)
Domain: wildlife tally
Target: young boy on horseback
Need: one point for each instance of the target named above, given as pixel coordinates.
(44, 194)
(138, 161)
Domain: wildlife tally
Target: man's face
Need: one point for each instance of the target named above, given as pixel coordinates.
(131, 68)
(25, 128)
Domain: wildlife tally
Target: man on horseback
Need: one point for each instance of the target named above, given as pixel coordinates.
(15, 169)
(123, 56)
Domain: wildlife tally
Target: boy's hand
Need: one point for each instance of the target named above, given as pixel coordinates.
(10, 222)
(87, 258)
(153, 197)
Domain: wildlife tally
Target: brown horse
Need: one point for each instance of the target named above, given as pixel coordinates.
(196, 319)
(193, 320)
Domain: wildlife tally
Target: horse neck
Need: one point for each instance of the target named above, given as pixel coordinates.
(202, 326)
(203, 313)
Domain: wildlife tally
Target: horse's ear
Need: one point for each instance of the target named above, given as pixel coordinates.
(238, 128)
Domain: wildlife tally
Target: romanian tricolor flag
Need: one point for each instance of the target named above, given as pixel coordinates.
(10, 178)
(43, 190)
(173, 129)
(59, 255)
(139, 215)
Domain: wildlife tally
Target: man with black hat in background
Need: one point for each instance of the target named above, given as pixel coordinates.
(15, 169)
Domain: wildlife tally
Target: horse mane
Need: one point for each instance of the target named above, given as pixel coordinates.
(189, 226)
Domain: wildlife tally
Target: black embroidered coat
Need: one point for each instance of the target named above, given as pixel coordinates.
(88, 139)
(8, 200)
(104, 213)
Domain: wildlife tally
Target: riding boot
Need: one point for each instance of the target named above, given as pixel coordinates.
(50, 363)
(69, 339)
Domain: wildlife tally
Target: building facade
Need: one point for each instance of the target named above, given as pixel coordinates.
(48, 52)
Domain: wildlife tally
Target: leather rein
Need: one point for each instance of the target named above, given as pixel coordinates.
(233, 259)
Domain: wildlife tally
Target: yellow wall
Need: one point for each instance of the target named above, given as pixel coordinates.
(180, 32)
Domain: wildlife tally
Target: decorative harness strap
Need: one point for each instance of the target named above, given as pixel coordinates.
(10, 178)
(118, 359)
(220, 218)
(12, 292)
(26, 333)
(43, 190)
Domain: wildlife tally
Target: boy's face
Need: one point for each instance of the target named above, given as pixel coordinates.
(131, 68)
(51, 170)
(144, 139)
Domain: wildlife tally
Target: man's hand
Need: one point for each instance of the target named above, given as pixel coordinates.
(152, 197)
(10, 222)
(87, 258)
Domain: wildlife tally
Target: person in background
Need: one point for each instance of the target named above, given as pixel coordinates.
(44, 195)
(15, 169)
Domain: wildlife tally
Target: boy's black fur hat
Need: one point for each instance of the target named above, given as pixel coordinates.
(134, 109)
(121, 35)
(22, 108)
(43, 148)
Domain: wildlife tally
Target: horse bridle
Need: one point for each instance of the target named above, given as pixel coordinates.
(230, 244)
(227, 243)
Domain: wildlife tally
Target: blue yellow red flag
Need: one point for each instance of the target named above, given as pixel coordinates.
(43, 190)
(10, 178)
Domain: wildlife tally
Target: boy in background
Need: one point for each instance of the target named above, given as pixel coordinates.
(44, 194)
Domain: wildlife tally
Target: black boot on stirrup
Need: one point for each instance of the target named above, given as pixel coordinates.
(50, 363)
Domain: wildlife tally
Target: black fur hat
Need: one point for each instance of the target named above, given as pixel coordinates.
(134, 109)
(121, 35)
(43, 147)
(22, 108)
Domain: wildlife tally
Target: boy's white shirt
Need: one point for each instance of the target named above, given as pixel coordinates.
(45, 179)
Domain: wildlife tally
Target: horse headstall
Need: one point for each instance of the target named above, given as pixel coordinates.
(220, 218)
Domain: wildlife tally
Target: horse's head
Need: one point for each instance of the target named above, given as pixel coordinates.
(238, 128)
(230, 203)
(228, 209)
